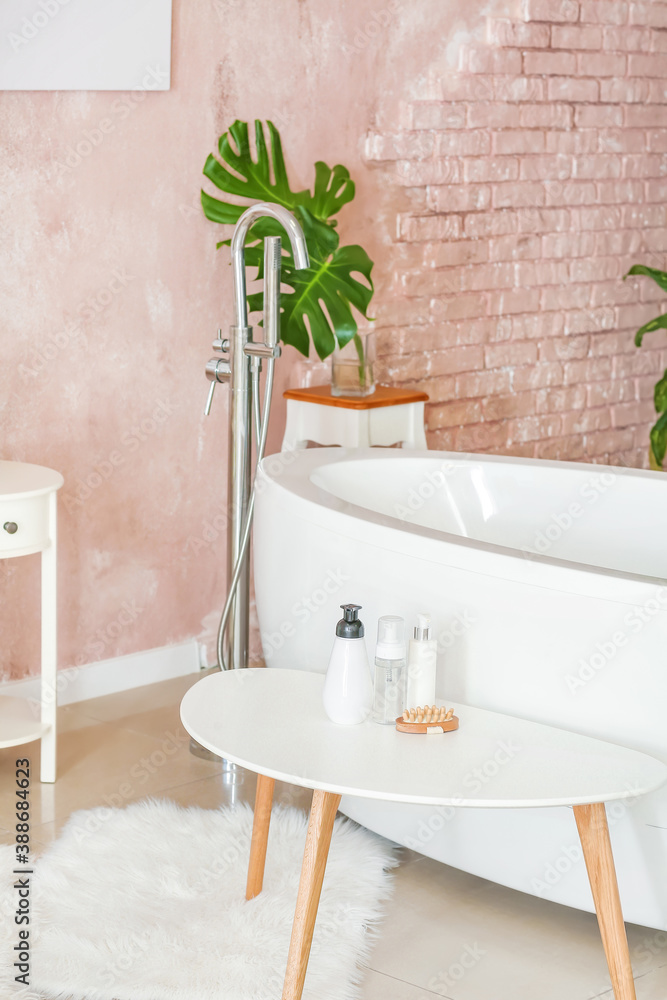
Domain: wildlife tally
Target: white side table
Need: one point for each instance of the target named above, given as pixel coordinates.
(28, 525)
(295, 742)
(389, 416)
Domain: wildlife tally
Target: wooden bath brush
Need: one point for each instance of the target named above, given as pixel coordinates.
(429, 719)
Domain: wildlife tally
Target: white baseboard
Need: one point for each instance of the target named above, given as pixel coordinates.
(117, 674)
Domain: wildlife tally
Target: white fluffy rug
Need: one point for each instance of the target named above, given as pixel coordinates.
(148, 903)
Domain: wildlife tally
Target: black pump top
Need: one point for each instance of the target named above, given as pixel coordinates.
(349, 627)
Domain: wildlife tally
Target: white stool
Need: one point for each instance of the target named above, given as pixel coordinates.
(27, 525)
(389, 416)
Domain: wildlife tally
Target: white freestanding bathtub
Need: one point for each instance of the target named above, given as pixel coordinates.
(545, 583)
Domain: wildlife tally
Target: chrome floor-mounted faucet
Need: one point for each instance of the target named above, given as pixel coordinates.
(239, 364)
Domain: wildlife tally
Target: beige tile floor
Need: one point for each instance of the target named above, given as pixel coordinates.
(446, 933)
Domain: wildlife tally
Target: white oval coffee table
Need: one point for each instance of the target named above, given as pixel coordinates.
(272, 722)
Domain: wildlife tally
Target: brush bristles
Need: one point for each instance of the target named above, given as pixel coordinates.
(429, 714)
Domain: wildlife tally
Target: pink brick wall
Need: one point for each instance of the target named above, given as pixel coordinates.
(529, 181)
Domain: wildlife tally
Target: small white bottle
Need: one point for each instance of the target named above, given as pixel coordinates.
(389, 686)
(422, 655)
(348, 689)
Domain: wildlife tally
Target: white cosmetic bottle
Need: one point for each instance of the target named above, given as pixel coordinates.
(348, 688)
(422, 655)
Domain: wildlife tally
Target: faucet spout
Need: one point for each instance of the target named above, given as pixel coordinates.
(250, 216)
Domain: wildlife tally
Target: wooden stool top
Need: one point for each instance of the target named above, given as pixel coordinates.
(384, 395)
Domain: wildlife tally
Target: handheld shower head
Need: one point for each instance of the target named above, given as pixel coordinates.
(272, 269)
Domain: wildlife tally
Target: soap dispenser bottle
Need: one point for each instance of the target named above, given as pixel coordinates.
(422, 655)
(348, 689)
(388, 692)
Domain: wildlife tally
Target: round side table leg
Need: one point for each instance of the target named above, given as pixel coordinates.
(320, 827)
(594, 836)
(260, 835)
(49, 651)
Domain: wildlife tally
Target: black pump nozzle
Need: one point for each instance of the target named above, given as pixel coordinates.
(349, 627)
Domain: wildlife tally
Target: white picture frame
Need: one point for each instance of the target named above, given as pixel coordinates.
(85, 44)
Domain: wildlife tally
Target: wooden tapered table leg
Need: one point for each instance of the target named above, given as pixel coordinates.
(320, 827)
(260, 835)
(594, 836)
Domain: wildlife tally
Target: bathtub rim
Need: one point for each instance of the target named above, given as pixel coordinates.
(323, 509)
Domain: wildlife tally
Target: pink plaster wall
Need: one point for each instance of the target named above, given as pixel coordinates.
(112, 288)
(112, 291)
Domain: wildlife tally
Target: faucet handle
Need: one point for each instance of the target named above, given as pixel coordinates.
(209, 399)
(217, 370)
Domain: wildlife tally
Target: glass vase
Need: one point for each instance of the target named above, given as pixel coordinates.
(352, 366)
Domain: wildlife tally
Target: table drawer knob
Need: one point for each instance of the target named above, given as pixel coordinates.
(11, 527)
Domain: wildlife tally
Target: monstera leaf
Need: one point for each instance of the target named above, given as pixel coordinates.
(320, 303)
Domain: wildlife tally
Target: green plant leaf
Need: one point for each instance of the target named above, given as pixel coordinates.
(659, 439)
(265, 179)
(660, 394)
(333, 189)
(221, 211)
(324, 294)
(653, 324)
(660, 277)
(659, 430)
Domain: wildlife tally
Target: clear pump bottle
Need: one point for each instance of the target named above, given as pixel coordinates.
(389, 671)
